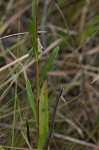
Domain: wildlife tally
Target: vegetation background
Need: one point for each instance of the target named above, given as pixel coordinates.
(73, 26)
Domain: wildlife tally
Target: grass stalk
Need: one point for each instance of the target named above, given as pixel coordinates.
(37, 95)
(36, 64)
(14, 117)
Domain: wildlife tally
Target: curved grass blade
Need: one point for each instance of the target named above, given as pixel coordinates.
(30, 97)
(43, 116)
(48, 64)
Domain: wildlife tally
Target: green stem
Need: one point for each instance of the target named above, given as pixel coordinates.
(36, 62)
(37, 96)
(35, 14)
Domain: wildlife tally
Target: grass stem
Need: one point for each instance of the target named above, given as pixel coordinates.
(37, 96)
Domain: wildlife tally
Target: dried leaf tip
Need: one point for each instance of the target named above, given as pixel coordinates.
(40, 47)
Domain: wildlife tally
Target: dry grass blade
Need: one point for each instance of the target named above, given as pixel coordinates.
(18, 148)
(74, 140)
(17, 34)
(13, 19)
(14, 62)
(48, 138)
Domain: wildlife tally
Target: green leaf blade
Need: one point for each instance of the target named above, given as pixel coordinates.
(32, 32)
(48, 64)
(43, 116)
(30, 97)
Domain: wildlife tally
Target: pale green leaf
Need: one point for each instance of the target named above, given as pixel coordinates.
(30, 97)
(43, 115)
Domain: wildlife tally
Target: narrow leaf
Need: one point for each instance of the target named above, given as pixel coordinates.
(30, 97)
(32, 32)
(48, 64)
(43, 116)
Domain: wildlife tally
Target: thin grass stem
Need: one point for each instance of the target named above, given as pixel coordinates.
(37, 95)
(36, 65)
